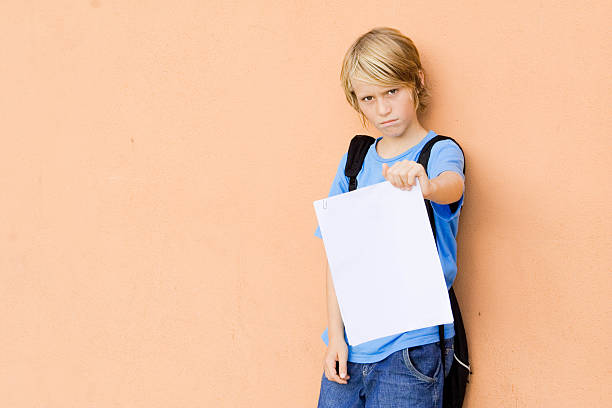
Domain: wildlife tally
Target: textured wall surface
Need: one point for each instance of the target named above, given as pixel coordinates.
(159, 162)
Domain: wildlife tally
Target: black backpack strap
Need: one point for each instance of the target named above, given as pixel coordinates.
(423, 160)
(360, 144)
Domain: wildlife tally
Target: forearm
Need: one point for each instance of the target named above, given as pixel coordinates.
(446, 188)
(335, 327)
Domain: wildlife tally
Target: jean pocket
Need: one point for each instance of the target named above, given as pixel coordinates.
(423, 361)
(449, 355)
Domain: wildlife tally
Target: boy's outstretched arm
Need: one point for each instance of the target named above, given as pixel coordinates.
(446, 188)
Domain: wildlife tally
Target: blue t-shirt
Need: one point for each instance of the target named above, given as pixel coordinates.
(445, 155)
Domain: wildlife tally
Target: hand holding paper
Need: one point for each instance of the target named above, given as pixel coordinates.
(404, 174)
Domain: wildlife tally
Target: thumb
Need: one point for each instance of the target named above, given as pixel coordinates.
(385, 167)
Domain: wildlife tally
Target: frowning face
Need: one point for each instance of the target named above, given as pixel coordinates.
(390, 109)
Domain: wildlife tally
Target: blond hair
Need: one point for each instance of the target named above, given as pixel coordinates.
(384, 56)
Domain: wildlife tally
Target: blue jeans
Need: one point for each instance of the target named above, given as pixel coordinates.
(409, 378)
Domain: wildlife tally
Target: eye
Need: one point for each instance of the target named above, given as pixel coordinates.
(392, 91)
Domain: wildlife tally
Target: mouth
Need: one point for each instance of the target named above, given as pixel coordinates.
(388, 122)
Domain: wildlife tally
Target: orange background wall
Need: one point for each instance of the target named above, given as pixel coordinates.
(159, 162)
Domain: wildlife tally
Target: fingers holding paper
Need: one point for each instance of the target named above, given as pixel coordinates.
(403, 175)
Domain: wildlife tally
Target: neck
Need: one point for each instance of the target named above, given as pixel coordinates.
(406, 140)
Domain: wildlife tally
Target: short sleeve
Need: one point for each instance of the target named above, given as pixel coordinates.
(339, 185)
(446, 156)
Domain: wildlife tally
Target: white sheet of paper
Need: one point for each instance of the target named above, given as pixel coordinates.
(383, 261)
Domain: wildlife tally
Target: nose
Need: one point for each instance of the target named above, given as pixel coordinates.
(382, 107)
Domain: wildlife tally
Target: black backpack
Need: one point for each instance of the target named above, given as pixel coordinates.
(458, 377)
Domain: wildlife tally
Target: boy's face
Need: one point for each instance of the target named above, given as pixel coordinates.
(380, 104)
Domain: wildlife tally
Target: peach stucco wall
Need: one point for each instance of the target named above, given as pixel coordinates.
(159, 162)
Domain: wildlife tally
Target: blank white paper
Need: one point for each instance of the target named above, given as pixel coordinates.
(383, 261)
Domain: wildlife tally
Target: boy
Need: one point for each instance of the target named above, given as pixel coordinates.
(384, 82)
